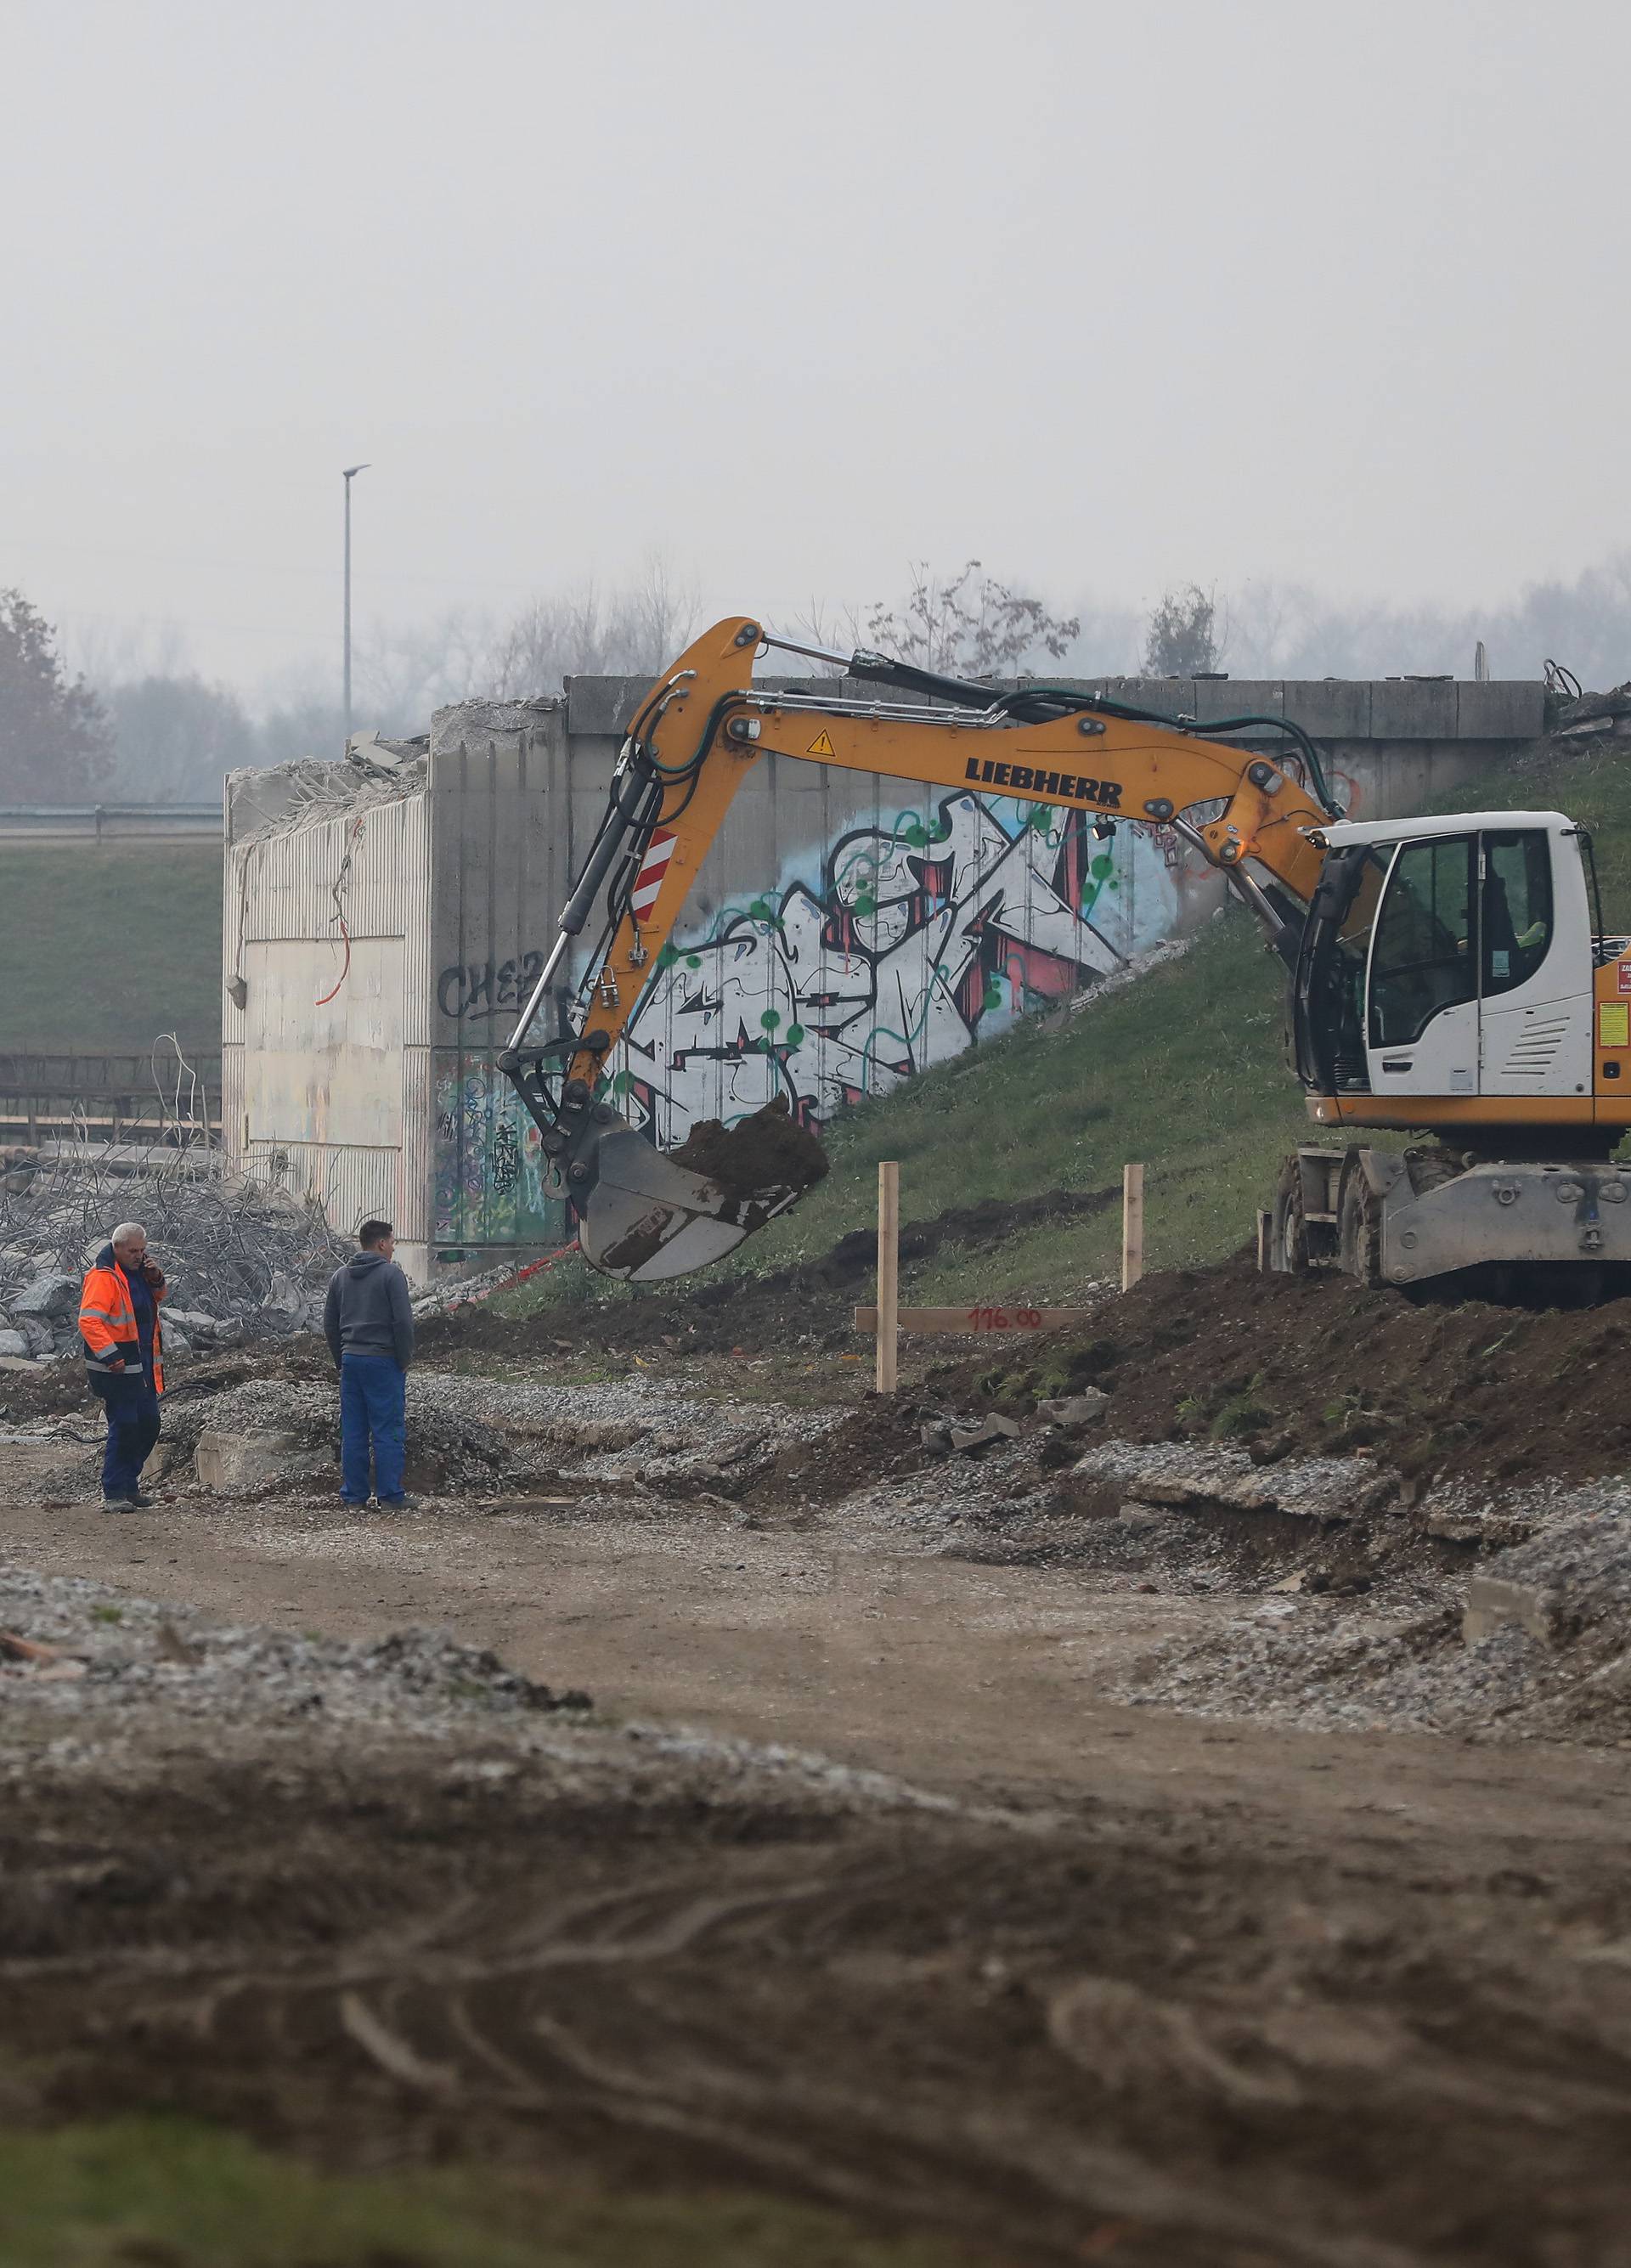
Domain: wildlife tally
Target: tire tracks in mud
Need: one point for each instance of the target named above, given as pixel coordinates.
(1225, 2038)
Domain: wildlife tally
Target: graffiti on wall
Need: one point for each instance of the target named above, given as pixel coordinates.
(488, 1179)
(911, 940)
(905, 943)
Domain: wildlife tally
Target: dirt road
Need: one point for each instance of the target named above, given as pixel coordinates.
(1131, 1985)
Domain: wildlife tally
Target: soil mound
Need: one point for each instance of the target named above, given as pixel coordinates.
(1318, 1366)
(766, 1151)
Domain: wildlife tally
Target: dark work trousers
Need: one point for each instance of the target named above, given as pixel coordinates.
(133, 1427)
(373, 1403)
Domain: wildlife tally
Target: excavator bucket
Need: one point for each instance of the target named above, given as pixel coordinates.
(653, 1214)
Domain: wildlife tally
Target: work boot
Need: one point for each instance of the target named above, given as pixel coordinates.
(398, 1503)
(119, 1504)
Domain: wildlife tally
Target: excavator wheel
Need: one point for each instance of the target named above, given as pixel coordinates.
(1359, 1226)
(1288, 1251)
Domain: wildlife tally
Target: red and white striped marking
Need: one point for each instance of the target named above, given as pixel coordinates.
(653, 866)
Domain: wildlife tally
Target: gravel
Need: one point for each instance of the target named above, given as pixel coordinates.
(132, 1651)
(1301, 1661)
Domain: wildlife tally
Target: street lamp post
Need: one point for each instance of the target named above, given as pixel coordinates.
(348, 475)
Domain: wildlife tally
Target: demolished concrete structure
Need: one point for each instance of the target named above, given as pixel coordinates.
(243, 1262)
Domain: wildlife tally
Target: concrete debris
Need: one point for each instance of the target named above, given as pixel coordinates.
(131, 1650)
(1182, 1474)
(13, 1344)
(966, 1437)
(226, 1462)
(244, 1262)
(1172, 948)
(202, 1330)
(1083, 1408)
(279, 798)
(1492, 1600)
(48, 1297)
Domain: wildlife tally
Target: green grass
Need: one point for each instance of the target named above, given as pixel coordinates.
(171, 2193)
(1184, 1071)
(107, 948)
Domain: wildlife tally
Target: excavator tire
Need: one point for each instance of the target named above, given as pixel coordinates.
(1359, 1226)
(1288, 1244)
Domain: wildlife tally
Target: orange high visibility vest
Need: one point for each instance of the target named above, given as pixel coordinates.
(108, 1327)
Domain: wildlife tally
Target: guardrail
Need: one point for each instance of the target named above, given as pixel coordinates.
(110, 822)
(106, 1097)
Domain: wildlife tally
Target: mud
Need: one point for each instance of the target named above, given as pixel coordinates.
(1107, 1923)
(1206, 2013)
(766, 1151)
(1320, 1366)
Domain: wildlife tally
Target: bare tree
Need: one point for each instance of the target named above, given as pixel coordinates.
(580, 633)
(967, 624)
(176, 738)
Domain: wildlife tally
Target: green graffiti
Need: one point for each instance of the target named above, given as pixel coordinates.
(795, 1036)
(769, 1020)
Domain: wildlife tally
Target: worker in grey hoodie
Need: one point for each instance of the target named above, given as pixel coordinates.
(368, 1323)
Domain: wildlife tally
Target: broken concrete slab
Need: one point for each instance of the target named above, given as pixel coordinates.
(13, 1343)
(1210, 1479)
(1083, 1408)
(970, 1436)
(203, 1330)
(47, 1298)
(1494, 1600)
(228, 1462)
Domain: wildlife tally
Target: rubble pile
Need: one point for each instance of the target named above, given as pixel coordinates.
(447, 1448)
(244, 1262)
(73, 1642)
(1541, 1647)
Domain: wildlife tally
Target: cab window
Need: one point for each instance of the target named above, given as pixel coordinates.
(1423, 959)
(1516, 927)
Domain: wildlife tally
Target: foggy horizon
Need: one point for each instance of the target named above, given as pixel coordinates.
(1242, 297)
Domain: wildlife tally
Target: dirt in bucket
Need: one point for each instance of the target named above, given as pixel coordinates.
(768, 1151)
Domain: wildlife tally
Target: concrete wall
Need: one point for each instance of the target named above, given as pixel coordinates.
(843, 933)
(326, 1084)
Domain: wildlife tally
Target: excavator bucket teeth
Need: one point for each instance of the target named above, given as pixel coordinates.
(648, 1219)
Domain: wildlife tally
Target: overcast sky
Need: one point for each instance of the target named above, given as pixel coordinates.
(1108, 296)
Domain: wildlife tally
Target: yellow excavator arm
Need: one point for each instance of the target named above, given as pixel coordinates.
(689, 746)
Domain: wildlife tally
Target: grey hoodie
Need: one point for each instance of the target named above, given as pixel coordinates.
(367, 1310)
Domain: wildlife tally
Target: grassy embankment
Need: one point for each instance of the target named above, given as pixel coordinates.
(179, 2194)
(1183, 1070)
(105, 949)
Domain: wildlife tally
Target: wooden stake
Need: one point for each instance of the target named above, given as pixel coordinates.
(1132, 1225)
(888, 1274)
(1265, 1223)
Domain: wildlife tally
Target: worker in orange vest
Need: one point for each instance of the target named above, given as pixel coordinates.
(123, 1345)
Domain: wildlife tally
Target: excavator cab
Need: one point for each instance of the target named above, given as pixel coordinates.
(1447, 957)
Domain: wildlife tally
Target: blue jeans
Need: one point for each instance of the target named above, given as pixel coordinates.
(373, 1403)
(133, 1427)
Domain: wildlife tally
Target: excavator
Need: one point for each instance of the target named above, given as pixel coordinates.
(1449, 978)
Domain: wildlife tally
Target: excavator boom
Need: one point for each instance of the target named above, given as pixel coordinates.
(645, 1216)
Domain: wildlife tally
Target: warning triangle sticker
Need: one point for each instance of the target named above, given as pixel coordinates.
(822, 744)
